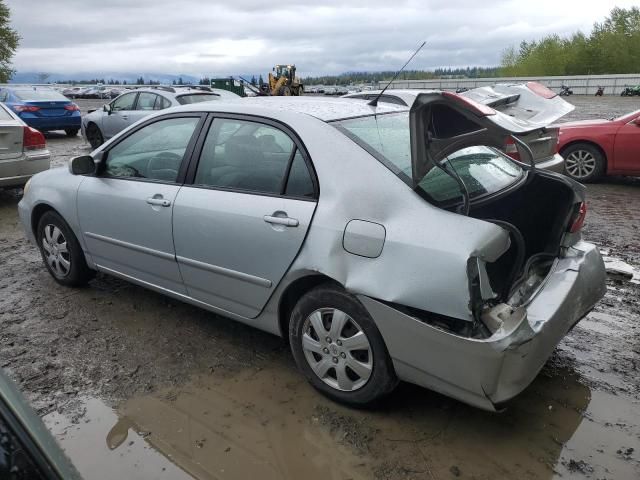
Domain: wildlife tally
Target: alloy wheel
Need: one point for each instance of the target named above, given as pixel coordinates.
(580, 164)
(56, 251)
(337, 349)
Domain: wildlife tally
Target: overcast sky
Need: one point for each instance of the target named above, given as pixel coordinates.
(200, 37)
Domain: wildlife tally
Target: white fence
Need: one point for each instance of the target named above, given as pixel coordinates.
(580, 84)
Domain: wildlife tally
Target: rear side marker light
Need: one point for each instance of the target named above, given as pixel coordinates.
(541, 90)
(477, 108)
(511, 149)
(33, 139)
(579, 218)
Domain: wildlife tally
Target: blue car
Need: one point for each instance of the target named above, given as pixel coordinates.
(43, 108)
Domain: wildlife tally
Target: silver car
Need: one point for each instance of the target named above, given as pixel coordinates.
(125, 110)
(384, 243)
(23, 150)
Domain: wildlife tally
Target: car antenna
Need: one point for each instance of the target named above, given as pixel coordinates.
(374, 102)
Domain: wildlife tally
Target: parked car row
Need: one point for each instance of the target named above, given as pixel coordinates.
(94, 92)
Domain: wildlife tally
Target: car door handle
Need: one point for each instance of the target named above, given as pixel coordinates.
(286, 221)
(125, 117)
(161, 202)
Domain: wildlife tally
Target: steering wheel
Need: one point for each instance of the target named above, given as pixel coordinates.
(164, 166)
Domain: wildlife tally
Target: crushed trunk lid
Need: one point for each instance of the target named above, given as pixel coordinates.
(442, 123)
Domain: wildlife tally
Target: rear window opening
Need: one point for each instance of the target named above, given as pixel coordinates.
(197, 98)
(39, 94)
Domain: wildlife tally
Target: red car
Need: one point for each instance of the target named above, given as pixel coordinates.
(595, 148)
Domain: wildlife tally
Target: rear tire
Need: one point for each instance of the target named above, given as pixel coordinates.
(584, 162)
(94, 135)
(348, 363)
(61, 251)
(71, 132)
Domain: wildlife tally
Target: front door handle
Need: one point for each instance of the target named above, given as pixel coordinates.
(125, 117)
(160, 202)
(286, 221)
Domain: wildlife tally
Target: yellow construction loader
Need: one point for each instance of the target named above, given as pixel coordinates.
(284, 81)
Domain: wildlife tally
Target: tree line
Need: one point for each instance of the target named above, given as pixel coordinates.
(351, 78)
(613, 46)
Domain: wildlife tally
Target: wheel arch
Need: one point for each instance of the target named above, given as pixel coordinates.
(37, 213)
(292, 294)
(590, 143)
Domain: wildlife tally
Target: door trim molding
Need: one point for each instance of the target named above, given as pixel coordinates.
(245, 277)
(132, 246)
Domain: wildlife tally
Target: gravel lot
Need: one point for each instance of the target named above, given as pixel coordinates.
(136, 385)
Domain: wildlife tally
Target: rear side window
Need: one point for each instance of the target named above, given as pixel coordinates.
(154, 152)
(146, 101)
(3, 95)
(197, 98)
(299, 183)
(244, 155)
(162, 103)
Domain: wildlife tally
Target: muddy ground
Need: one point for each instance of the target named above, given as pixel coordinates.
(135, 385)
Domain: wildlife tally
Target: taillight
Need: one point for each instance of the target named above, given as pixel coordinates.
(578, 219)
(25, 108)
(32, 139)
(72, 107)
(541, 90)
(511, 149)
(477, 108)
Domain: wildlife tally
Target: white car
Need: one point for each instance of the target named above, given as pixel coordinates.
(23, 150)
(100, 125)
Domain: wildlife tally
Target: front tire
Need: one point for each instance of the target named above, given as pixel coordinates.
(61, 251)
(94, 135)
(339, 349)
(584, 162)
(71, 132)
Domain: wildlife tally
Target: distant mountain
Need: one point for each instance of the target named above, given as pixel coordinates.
(36, 77)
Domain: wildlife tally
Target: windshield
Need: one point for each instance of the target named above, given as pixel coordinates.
(33, 94)
(197, 98)
(483, 170)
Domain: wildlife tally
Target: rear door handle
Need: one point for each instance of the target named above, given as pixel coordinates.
(160, 202)
(125, 117)
(286, 221)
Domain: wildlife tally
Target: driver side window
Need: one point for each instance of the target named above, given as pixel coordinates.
(125, 102)
(154, 152)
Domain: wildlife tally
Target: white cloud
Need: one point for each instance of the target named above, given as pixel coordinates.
(203, 38)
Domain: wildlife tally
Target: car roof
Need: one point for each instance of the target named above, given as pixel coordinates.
(325, 109)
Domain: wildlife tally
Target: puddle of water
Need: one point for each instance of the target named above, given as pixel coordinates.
(256, 425)
(270, 424)
(97, 455)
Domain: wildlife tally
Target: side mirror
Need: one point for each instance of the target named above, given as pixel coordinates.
(106, 108)
(82, 165)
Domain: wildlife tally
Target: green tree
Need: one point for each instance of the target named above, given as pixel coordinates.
(9, 39)
(613, 46)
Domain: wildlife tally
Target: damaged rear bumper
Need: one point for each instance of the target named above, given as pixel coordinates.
(486, 372)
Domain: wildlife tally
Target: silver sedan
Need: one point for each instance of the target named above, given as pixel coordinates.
(23, 150)
(384, 243)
